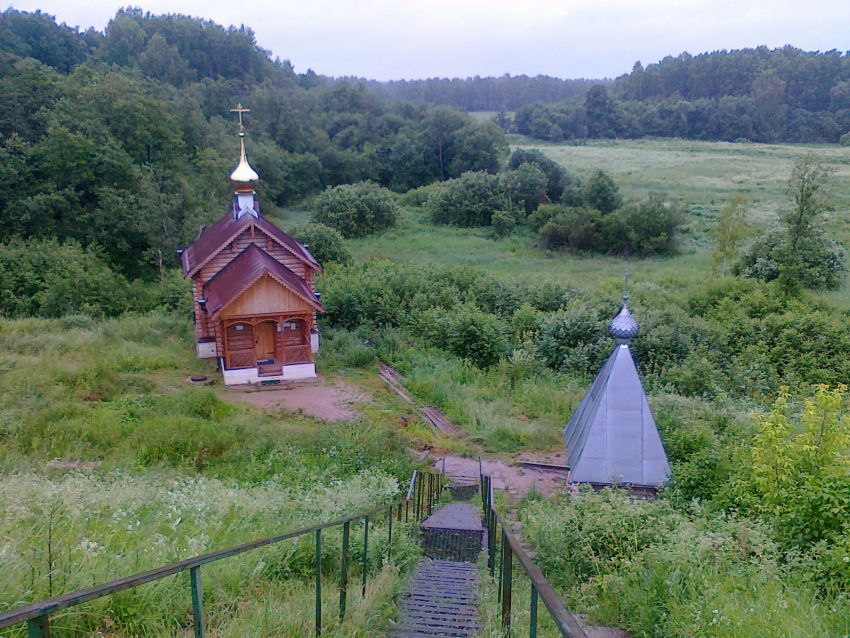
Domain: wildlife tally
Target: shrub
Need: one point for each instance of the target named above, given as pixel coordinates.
(799, 475)
(573, 340)
(600, 191)
(573, 228)
(557, 178)
(504, 222)
(467, 332)
(171, 293)
(824, 262)
(418, 197)
(356, 210)
(525, 186)
(47, 278)
(645, 228)
(470, 200)
(325, 243)
(543, 214)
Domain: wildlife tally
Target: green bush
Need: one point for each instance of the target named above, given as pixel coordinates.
(467, 332)
(543, 214)
(325, 243)
(573, 341)
(418, 197)
(470, 200)
(599, 191)
(170, 293)
(504, 222)
(798, 475)
(824, 262)
(525, 186)
(557, 178)
(356, 210)
(46, 278)
(657, 572)
(573, 228)
(644, 228)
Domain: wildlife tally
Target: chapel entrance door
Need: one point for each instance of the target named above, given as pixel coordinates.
(264, 340)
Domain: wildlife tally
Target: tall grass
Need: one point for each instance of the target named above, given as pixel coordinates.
(112, 463)
(655, 571)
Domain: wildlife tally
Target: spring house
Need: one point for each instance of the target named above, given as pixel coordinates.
(611, 437)
(255, 300)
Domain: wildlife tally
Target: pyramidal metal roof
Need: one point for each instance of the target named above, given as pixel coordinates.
(611, 438)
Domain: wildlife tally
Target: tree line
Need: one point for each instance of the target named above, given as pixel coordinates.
(507, 92)
(761, 95)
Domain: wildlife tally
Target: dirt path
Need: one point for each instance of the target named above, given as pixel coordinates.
(327, 401)
(516, 479)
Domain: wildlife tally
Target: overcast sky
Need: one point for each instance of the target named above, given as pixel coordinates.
(392, 39)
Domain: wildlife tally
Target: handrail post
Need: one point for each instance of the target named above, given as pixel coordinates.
(430, 492)
(197, 601)
(532, 630)
(343, 570)
(507, 592)
(319, 582)
(390, 536)
(489, 520)
(501, 564)
(365, 554)
(417, 489)
(38, 627)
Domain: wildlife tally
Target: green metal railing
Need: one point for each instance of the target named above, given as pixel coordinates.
(509, 549)
(423, 490)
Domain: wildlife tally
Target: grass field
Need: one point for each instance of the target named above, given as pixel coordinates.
(705, 174)
(700, 175)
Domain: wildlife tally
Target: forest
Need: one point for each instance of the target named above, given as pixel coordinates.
(760, 95)
(118, 140)
(508, 92)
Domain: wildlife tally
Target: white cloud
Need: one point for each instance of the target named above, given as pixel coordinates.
(567, 38)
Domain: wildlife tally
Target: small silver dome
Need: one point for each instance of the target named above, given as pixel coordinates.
(624, 326)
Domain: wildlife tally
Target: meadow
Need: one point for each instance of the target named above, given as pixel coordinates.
(700, 175)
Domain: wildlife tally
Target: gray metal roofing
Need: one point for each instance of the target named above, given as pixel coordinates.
(612, 437)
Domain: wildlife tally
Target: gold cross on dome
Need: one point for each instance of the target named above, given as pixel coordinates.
(240, 110)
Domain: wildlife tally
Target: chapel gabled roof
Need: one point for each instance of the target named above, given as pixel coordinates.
(244, 271)
(219, 235)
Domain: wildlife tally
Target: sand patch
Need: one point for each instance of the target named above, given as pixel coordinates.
(331, 402)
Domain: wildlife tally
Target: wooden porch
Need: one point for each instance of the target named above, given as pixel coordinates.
(267, 342)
